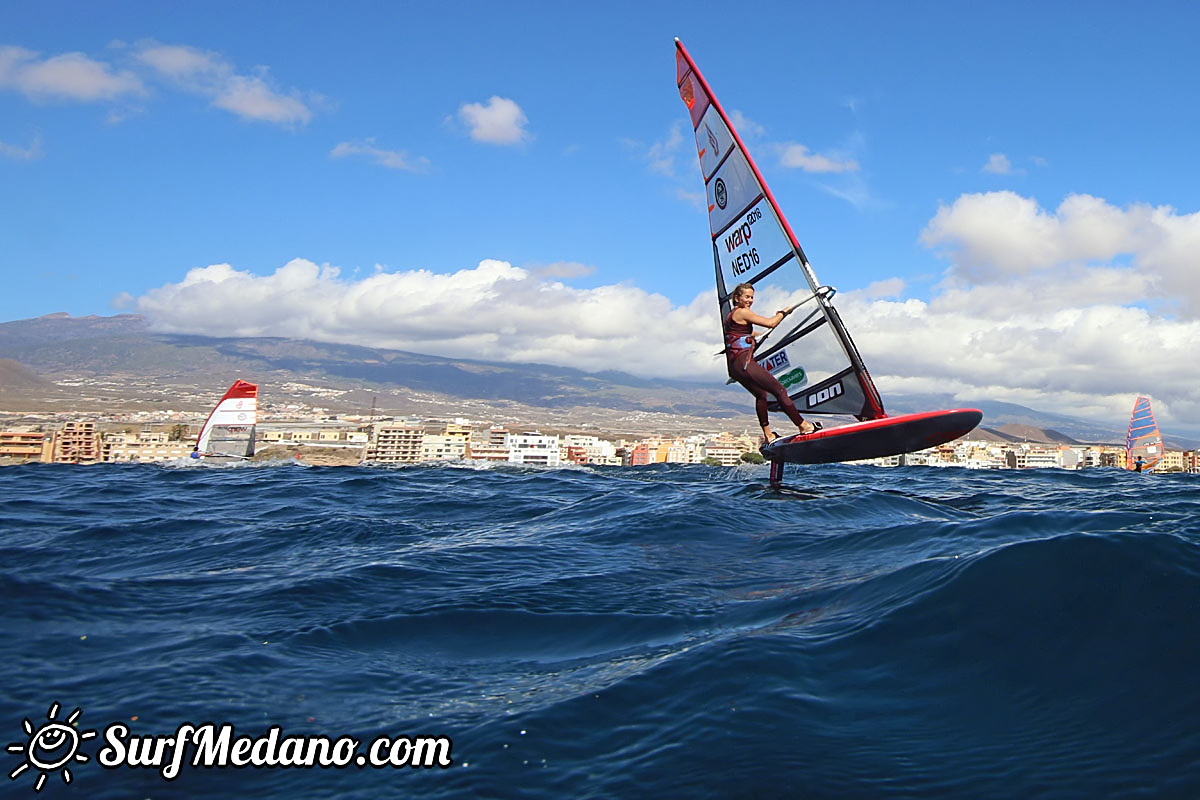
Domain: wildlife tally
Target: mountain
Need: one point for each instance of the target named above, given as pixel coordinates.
(16, 377)
(119, 362)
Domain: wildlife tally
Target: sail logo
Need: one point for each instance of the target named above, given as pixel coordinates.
(720, 194)
(777, 361)
(741, 234)
(796, 377)
(825, 395)
(712, 142)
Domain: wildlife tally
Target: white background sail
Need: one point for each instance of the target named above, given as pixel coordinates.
(229, 429)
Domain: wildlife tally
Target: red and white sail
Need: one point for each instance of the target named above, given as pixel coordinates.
(229, 429)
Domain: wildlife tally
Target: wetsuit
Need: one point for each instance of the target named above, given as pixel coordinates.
(739, 354)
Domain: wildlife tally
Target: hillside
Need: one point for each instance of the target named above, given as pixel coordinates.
(119, 363)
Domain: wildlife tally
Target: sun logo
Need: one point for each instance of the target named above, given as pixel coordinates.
(51, 746)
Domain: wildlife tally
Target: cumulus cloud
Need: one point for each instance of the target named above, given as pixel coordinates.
(392, 159)
(70, 76)
(1079, 360)
(210, 75)
(1078, 308)
(998, 236)
(1071, 325)
(563, 269)
(494, 311)
(499, 121)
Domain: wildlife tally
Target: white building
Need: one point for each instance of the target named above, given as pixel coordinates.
(143, 446)
(533, 449)
(599, 451)
(442, 447)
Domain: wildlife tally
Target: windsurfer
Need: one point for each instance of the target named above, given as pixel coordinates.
(739, 354)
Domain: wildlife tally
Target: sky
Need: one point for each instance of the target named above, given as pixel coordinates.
(1005, 194)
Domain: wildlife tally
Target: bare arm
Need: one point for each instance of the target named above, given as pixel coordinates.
(743, 315)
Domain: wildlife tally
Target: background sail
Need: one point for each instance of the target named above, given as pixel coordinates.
(810, 352)
(1143, 440)
(229, 429)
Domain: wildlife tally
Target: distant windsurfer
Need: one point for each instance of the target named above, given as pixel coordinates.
(739, 354)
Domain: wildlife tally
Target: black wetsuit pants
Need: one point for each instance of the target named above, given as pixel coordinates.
(760, 383)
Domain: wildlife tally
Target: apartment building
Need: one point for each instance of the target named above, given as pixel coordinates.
(26, 445)
(580, 449)
(76, 443)
(533, 449)
(396, 442)
(142, 446)
(489, 445)
(726, 449)
(440, 447)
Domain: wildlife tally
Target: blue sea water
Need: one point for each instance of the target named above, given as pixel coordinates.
(658, 632)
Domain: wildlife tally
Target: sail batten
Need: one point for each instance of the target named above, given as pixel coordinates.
(753, 243)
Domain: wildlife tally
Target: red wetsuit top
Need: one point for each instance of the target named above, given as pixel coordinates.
(739, 337)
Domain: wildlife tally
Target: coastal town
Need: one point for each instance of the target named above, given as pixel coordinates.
(319, 437)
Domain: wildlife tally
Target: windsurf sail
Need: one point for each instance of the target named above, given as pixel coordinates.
(1143, 440)
(229, 429)
(809, 352)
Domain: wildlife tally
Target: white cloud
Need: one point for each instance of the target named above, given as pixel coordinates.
(1052, 329)
(746, 127)
(998, 164)
(494, 311)
(562, 269)
(660, 155)
(1077, 360)
(1077, 309)
(501, 121)
(392, 159)
(210, 75)
(996, 236)
(75, 76)
(891, 287)
(34, 151)
(251, 98)
(800, 157)
(182, 63)
(70, 76)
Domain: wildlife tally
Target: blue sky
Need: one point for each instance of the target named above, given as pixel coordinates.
(1006, 194)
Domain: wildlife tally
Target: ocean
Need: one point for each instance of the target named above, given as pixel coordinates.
(652, 632)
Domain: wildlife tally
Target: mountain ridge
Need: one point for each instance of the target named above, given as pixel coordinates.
(122, 350)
